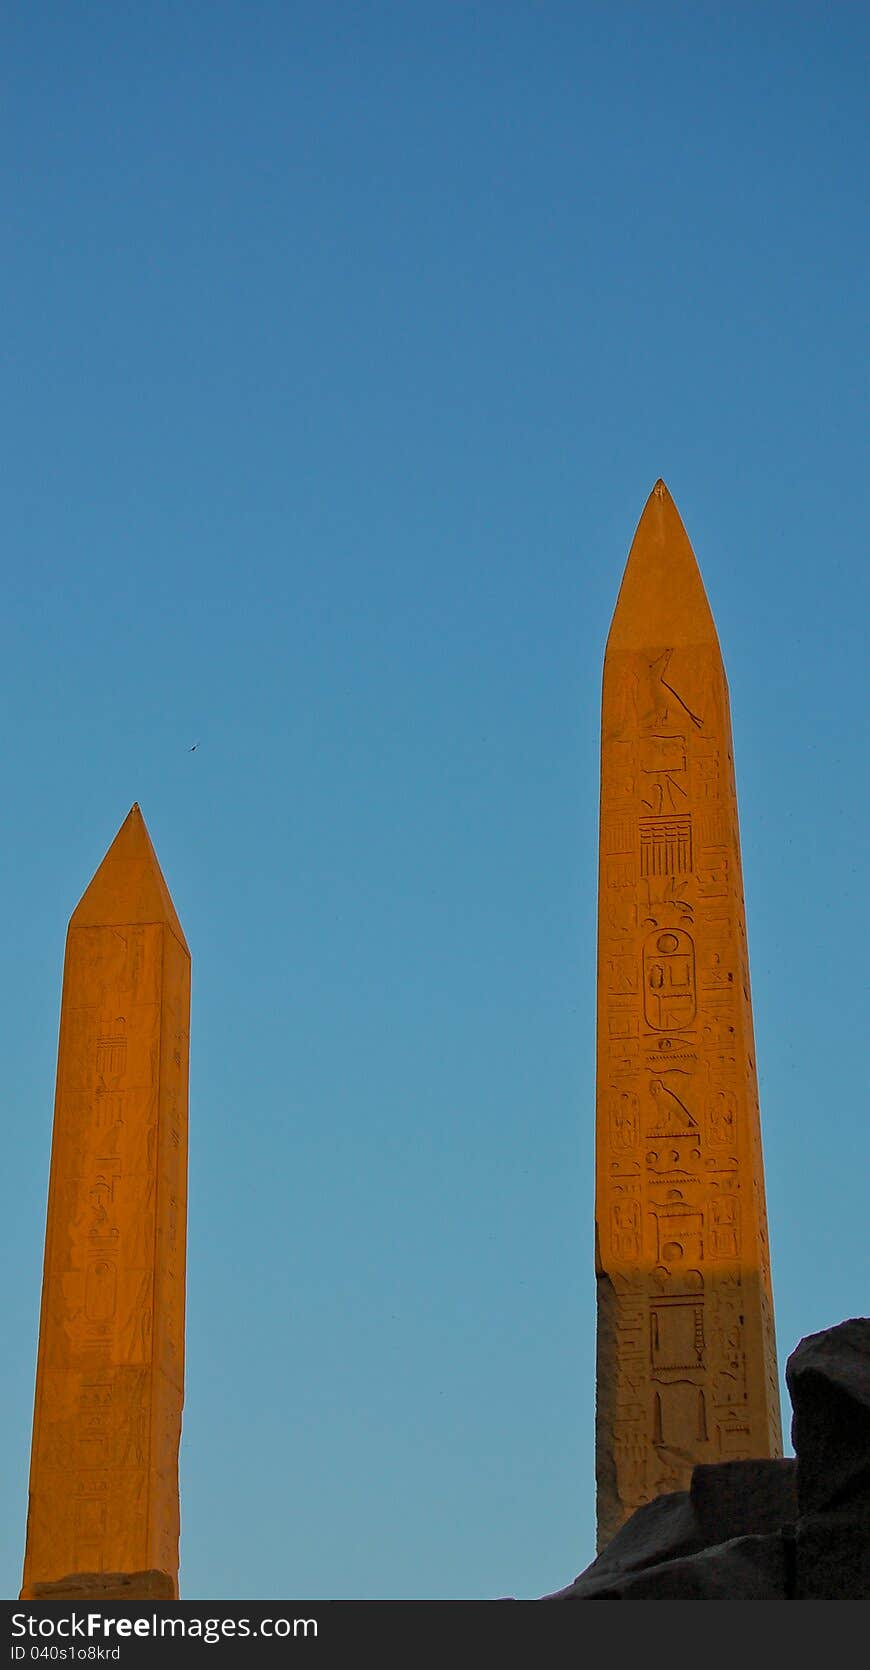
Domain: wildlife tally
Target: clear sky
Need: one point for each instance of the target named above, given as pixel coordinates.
(343, 345)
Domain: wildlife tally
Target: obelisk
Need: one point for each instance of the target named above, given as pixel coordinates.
(686, 1368)
(103, 1513)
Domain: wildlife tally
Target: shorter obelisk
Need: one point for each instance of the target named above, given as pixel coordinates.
(103, 1514)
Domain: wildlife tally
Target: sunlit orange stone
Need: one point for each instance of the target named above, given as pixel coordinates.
(686, 1367)
(110, 1370)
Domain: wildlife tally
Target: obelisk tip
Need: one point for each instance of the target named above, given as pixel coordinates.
(661, 599)
(129, 886)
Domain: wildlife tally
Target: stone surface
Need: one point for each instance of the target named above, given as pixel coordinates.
(686, 1359)
(832, 1557)
(749, 1568)
(828, 1377)
(741, 1503)
(107, 1585)
(739, 1498)
(764, 1530)
(110, 1370)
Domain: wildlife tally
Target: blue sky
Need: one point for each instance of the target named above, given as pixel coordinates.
(343, 346)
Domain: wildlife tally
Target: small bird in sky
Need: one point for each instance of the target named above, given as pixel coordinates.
(192, 750)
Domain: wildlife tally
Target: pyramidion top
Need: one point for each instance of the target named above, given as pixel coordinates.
(661, 600)
(128, 886)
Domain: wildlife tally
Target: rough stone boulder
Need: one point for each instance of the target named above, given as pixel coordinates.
(828, 1378)
(764, 1530)
(664, 1549)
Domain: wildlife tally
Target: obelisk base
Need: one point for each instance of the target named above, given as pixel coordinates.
(105, 1585)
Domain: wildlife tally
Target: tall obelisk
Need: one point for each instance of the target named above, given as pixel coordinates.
(103, 1512)
(686, 1354)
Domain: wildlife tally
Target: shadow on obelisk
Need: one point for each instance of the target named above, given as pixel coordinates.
(764, 1530)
